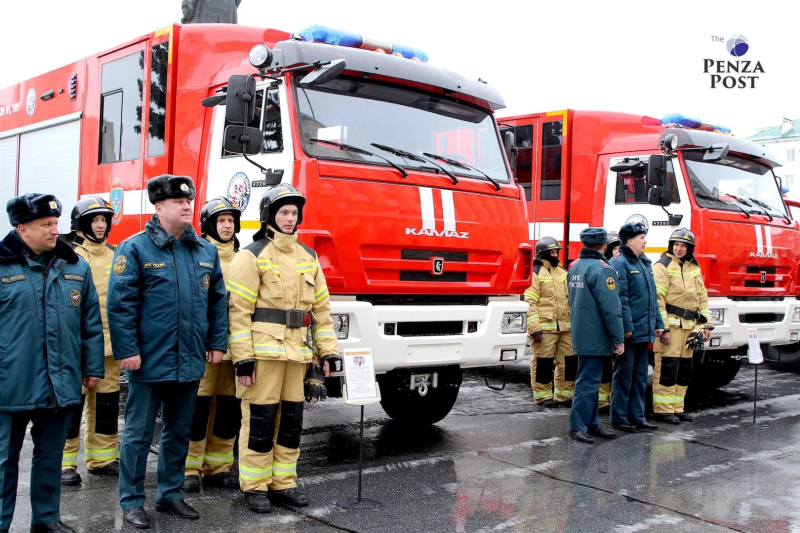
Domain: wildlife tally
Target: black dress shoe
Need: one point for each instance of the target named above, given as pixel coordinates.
(137, 517)
(684, 417)
(647, 426)
(191, 484)
(179, 508)
(257, 501)
(667, 419)
(111, 469)
(226, 480)
(627, 428)
(294, 497)
(581, 436)
(57, 527)
(603, 433)
(70, 478)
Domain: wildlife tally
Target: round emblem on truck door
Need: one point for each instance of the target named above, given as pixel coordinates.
(30, 102)
(239, 190)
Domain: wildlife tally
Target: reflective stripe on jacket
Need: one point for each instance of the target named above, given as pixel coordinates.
(680, 283)
(547, 299)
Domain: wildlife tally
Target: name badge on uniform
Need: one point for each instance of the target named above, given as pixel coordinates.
(635, 272)
(13, 279)
(73, 277)
(154, 265)
(203, 264)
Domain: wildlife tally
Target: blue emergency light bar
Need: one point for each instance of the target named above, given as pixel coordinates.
(692, 123)
(324, 34)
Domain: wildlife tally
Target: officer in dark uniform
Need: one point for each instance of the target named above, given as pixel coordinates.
(52, 343)
(167, 314)
(596, 331)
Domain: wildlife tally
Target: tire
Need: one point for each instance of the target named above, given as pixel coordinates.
(714, 373)
(785, 357)
(407, 407)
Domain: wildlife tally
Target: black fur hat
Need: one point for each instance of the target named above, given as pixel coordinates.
(31, 206)
(168, 186)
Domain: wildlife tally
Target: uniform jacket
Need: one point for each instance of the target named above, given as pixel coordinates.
(596, 310)
(99, 256)
(548, 299)
(226, 253)
(166, 302)
(52, 334)
(280, 273)
(680, 283)
(637, 294)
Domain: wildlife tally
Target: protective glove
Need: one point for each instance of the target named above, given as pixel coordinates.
(314, 384)
(245, 368)
(537, 337)
(334, 362)
(695, 341)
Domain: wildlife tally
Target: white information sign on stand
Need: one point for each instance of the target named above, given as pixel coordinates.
(359, 375)
(754, 355)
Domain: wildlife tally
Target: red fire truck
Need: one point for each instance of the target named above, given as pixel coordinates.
(585, 168)
(411, 205)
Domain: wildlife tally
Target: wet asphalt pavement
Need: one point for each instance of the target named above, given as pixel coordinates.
(497, 463)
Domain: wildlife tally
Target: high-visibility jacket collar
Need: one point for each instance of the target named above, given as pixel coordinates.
(94, 248)
(225, 249)
(282, 241)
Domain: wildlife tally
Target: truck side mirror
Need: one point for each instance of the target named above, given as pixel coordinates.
(657, 171)
(240, 97)
(324, 74)
(659, 197)
(243, 140)
(509, 142)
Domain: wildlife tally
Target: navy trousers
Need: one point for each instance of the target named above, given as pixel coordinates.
(629, 385)
(177, 408)
(587, 386)
(49, 433)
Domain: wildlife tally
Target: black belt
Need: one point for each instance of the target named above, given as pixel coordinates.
(680, 312)
(291, 318)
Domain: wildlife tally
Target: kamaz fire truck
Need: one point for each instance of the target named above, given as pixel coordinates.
(411, 206)
(585, 168)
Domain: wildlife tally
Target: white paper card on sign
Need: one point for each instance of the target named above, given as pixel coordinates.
(359, 374)
(754, 354)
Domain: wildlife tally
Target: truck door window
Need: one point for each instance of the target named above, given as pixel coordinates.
(157, 116)
(255, 123)
(633, 189)
(523, 140)
(121, 89)
(551, 160)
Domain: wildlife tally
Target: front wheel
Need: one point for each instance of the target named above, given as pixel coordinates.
(406, 406)
(715, 372)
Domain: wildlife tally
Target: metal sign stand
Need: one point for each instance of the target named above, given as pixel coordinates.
(359, 502)
(755, 395)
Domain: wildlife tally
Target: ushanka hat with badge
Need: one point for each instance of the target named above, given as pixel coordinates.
(32, 206)
(168, 186)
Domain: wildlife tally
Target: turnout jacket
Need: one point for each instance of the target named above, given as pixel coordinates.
(167, 303)
(680, 283)
(52, 334)
(596, 310)
(99, 256)
(637, 294)
(278, 272)
(548, 299)
(226, 252)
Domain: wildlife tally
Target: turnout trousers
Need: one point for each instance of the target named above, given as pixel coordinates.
(48, 433)
(553, 360)
(272, 421)
(177, 405)
(587, 385)
(216, 422)
(673, 372)
(630, 384)
(102, 416)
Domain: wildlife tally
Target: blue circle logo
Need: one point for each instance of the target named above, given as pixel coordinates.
(239, 190)
(737, 45)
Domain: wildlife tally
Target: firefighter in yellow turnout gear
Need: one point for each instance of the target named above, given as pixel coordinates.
(683, 302)
(549, 329)
(217, 412)
(90, 226)
(280, 332)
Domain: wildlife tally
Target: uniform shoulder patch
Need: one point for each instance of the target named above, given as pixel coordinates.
(119, 264)
(664, 261)
(257, 246)
(308, 249)
(536, 268)
(611, 283)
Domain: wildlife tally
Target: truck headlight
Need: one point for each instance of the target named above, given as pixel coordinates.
(717, 316)
(341, 325)
(513, 323)
(796, 314)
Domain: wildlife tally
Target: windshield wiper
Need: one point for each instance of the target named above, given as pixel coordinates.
(767, 206)
(357, 150)
(414, 157)
(459, 164)
(714, 198)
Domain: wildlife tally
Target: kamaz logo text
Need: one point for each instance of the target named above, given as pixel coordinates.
(437, 233)
(429, 221)
(763, 255)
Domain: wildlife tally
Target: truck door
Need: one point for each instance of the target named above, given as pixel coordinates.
(626, 201)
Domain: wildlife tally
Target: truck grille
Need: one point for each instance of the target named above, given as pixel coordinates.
(422, 299)
(743, 276)
(760, 318)
(430, 329)
(387, 263)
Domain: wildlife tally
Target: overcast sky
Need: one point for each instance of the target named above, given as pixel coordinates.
(639, 57)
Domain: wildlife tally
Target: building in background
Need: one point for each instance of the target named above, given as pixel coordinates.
(784, 141)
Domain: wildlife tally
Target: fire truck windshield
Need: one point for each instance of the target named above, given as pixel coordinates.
(731, 180)
(364, 113)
